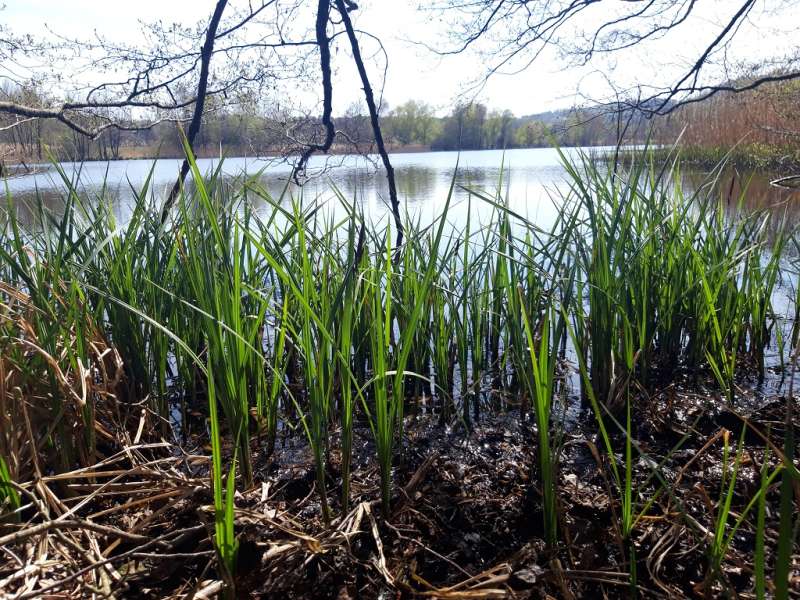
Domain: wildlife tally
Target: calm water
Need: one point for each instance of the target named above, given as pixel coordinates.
(529, 178)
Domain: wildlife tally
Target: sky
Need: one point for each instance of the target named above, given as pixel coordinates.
(416, 73)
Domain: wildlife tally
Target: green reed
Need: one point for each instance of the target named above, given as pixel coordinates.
(218, 263)
(286, 318)
(540, 384)
(10, 501)
(225, 541)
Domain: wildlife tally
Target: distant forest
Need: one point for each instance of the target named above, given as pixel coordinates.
(240, 130)
(761, 124)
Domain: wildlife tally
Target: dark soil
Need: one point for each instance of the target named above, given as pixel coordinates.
(469, 523)
(466, 516)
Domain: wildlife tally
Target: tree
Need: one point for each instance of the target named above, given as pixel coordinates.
(531, 134)
(499, 132)
(176, 72)
(463, 129)
(512, 34)
(344, 6)
(413, 122)
(354, 126)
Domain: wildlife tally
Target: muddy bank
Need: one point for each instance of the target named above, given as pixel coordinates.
(466, 523)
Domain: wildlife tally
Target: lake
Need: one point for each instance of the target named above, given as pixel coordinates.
(532, 181)
(528, 177)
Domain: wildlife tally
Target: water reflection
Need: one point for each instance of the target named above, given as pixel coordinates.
(529, 178)
(752, 189)
(750, 193)
(424, 180)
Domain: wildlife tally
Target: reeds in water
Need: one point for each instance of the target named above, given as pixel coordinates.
(287, 317)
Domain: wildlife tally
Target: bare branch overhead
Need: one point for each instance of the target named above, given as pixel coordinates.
(510, 35)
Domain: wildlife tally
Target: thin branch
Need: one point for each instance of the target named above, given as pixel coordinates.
(323, 41)
(197, 117)
(374, 119)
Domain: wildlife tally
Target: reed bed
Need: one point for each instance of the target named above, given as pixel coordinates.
(246, 319)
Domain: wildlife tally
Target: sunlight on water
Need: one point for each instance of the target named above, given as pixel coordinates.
(528, 178)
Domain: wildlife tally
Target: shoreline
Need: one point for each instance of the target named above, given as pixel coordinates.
(13, 163)
(785, 161)
(761, 158)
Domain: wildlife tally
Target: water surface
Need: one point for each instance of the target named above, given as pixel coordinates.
(528, 178)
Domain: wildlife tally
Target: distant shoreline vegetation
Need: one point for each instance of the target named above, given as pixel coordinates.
(409, 127)
(751, 130)
(19, 168)
(744, 156)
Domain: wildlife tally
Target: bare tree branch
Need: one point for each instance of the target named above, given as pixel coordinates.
(202, 87)
(323, 41)
(514, 33)
(374, 119)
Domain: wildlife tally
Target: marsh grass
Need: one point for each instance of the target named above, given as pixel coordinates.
(265, 313)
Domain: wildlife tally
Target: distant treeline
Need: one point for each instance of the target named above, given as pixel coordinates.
(238, 130)
(475, 127)
(762, 125)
